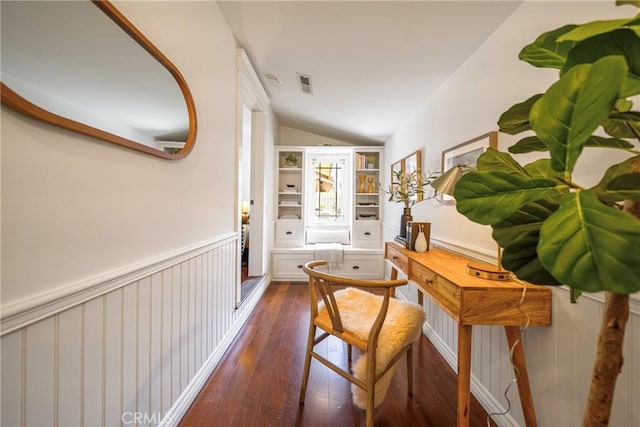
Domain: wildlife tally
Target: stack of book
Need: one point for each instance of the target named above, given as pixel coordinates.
(365, 162)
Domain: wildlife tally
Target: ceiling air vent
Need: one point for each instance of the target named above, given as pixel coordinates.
(304, 80)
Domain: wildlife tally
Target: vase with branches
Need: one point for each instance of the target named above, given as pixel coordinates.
(409, 188)
(554, 230)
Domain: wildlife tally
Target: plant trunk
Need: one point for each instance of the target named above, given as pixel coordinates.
(608, 360)
(609, 352)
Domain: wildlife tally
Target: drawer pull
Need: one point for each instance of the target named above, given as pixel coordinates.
(394, 257)
(430, 282)
(356, 267)
(289, 233)
(366, 233)
(300, 266)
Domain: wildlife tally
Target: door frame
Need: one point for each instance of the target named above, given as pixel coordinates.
(250, 93)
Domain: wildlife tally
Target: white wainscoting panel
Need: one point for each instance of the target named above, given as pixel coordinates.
(134, 353)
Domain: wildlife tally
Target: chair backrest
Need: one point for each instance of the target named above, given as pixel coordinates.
(322, 286)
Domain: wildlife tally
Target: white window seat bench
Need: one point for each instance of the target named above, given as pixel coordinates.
(363, 263)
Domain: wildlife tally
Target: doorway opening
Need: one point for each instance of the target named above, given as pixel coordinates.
(251, 133)
(248, 277)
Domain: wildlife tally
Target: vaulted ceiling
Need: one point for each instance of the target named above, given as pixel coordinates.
(372, 63)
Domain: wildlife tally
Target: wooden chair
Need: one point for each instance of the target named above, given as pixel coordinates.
(382, 327)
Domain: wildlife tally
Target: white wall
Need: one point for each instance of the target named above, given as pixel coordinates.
(466, 106)
(291, 136)
(74, 207)
(114, 262)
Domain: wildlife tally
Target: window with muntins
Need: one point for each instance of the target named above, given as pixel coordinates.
(327, 188)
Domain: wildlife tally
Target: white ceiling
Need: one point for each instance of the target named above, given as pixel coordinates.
(372, 63)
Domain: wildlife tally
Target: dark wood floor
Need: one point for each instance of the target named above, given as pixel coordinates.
(257, 383)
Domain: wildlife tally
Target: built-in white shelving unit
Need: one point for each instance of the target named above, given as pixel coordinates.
(364, 257)
(366, 201)
(290, 199)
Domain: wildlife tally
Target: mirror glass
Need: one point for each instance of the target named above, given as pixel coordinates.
(83, 66)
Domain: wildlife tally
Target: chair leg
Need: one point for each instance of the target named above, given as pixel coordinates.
(371, 389)
(307, 361)
(370, 405)
(349, 352)
(410, 370)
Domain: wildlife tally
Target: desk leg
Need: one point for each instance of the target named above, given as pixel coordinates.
(524, 388)
(464, 374)
(394, 276)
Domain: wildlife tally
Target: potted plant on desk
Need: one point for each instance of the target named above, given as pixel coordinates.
(553, 230)
(408, 188)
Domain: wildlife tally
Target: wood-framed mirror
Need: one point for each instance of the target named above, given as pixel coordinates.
(408, 164)
(67, 64)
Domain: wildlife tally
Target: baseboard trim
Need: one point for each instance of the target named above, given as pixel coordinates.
(27, 311)
(183, 403)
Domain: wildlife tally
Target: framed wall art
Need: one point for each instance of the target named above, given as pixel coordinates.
(407, 164)
(466, 154)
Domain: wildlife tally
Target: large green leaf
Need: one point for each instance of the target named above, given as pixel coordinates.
(635, 3)
(631, 85)
(516, 119)
(620, 42)
(623, 105)
(616, 184)
(590, 29)
(635, 29)
(542, 169)
(591, 246)
(572, 108)
(532, 143)
(518, 235)
(494, 160)
(546, 51)
(489, 197)
(528, 144)
(598, 141)
(625, 186)
(623, 125)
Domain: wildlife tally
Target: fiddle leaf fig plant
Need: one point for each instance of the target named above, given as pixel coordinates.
(554, 230)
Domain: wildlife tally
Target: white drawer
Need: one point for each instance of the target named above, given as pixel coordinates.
(366, 234)
(362, 266)
(289, 233)
(289, 266)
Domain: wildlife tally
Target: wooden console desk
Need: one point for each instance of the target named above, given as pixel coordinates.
(474, 301)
